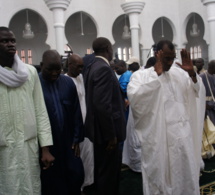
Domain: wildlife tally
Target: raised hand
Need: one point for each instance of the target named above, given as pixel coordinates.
(187, 64)
(158, 66)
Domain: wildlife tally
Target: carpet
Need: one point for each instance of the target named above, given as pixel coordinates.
(207, 178)
(131, 182)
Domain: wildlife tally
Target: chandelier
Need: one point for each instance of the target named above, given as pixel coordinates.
(126, 33)
(195, 31)
(27, 32)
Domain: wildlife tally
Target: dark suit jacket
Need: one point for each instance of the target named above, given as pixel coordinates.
(105, 117)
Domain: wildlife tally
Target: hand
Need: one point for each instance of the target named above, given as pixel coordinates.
(158, 66)
(47, 158)
(126, 103)
(112, 144)
(187, 63)
(76, 149)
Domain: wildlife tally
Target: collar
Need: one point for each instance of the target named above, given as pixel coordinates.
(103, 59)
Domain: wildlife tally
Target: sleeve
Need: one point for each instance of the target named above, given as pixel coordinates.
(196, 109)
(143, 94)
(124, 83)
(43, 124)
(78, 129)
(196, 86)
(103, 92)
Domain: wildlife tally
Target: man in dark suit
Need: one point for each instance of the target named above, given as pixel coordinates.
(105, 121)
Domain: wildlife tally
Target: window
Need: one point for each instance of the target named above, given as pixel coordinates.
(89, 51)
(23, 55)
(29, 56)
(124, 54)
(191, 53)
(199, 52)
(195, 52)
(152, 52)
(129, 52)
(26, 57)
(119, 51)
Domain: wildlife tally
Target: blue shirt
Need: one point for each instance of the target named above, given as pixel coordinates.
(124, 80)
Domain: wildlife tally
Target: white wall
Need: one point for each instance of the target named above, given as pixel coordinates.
(105, 12)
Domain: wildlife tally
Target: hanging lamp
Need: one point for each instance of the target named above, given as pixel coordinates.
(195, 31)
(28, 33)
(162, 30)
(82, 28)
(126, 33)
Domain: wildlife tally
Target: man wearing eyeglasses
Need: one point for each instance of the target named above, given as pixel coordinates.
(166, 102)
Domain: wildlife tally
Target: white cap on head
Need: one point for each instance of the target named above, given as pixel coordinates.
(133, 60)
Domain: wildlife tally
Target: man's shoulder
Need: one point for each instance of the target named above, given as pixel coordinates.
(127, 73)
(32, 72)
(125, 76)
(98, 60)
(203, 74)
(31, 68)
(178, 71)
(80, 78)
(143, 72)
(66, 80)
(100, 64)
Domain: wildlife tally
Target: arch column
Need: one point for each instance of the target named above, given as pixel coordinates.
(133, 9)
(58, 7)
(210, 5)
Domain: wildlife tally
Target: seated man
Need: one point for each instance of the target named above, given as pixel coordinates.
(66, 176)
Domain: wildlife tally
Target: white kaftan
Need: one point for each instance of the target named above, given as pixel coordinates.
(131, 155)
(165, 115)
(86, 147)
(23, 122)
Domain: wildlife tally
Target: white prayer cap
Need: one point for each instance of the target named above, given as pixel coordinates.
(133, 60)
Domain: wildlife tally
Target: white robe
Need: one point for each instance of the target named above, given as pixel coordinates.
(165, 110)
(86, 147)
(131, 155)
(23, 122)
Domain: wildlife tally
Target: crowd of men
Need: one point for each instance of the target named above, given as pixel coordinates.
(61, 132)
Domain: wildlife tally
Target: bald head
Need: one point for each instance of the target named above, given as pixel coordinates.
(3, 28)
(102, 47)
(74, 58)
(51, 65)
(50, 55)
(75, 65)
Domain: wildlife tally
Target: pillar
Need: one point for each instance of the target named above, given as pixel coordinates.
(210, 5)
(133, 9)
(58, 7)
